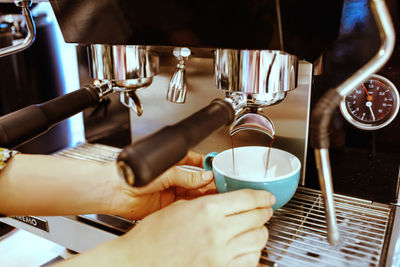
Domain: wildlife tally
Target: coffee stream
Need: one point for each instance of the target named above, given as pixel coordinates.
(268, 154)
(233, 156)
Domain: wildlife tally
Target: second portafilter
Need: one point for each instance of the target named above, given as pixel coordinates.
(126, 67)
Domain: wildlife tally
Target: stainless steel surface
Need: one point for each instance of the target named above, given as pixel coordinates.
(93, 152)
(325, 180)
(298, 232)
(253, 122)
(377, 124)
(393, 254)
(127, 66)
(20, 45)
(238, 100)
(256, 72)
(130, 100)
(265, 99)
(177, 86)
(103, 88)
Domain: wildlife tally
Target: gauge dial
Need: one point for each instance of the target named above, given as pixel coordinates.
(371, 105)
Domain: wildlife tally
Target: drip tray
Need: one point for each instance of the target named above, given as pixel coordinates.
(297, 232)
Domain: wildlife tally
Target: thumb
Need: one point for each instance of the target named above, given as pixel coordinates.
(188, 179)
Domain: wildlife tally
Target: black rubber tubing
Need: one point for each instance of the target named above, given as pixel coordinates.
(321, 117)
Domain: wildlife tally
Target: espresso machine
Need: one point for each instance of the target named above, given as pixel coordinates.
(255, 70)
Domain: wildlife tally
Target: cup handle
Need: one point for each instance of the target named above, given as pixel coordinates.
(207, 160)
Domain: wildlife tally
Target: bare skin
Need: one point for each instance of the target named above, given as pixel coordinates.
(216, 230)
(183, 222)
(64, 186)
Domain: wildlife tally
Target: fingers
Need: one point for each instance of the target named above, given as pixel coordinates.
(177, 177)
(249, 259)
(192, 158)
(242, 222)
(183, 193)
(244, 200)
(248, 242)
(247, 247)
(188, 179)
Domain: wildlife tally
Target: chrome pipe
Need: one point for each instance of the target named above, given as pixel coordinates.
(30, 25)
(325, 181)
(387, 35)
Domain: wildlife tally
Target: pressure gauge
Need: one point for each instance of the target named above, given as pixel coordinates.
(371, 105)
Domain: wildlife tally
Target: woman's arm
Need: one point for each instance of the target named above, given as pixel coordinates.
(49, 185)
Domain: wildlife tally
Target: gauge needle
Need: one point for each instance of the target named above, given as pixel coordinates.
(369, 105)
(369, 97)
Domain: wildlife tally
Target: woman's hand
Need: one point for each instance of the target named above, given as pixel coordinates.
(215, 230)
(174, 184)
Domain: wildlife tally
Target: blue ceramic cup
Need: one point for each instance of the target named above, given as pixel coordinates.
(281, 178)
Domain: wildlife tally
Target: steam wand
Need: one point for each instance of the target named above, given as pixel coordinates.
(322, 113)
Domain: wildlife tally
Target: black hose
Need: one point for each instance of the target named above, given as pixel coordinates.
(321, 117)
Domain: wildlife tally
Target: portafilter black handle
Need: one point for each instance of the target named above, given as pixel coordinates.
(146, 159)
(23, 125)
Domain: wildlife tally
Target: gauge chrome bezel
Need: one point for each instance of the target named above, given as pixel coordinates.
(373, 126)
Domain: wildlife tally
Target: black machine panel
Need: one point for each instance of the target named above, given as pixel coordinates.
(308, 27)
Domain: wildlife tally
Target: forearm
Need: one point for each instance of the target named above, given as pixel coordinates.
(110, 253)
(49, 185)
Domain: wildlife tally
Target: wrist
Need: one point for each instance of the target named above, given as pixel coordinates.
(131, 202)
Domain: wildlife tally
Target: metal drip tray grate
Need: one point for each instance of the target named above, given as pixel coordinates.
(95, 152)
(298, 232)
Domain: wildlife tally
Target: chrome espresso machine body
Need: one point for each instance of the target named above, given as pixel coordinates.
(282, 69)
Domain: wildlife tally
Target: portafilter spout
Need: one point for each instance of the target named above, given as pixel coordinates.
(248, 118)
(259, 78)
(253, 121)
